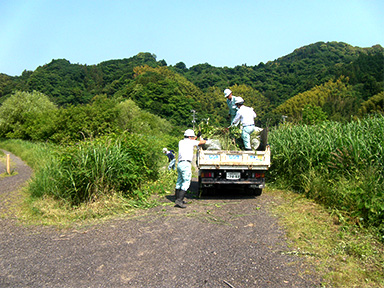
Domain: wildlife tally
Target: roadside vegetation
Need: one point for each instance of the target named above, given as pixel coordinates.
(94, 134)
(79, 184)
(334, 213)
(338, 165)
(327, 221)
(343, 253)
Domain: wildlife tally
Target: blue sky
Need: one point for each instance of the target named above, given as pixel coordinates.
(221, 33)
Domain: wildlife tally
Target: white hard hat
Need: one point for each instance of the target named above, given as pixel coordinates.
(189, 133)
(227, 92)
(165, 150)
(239, 100)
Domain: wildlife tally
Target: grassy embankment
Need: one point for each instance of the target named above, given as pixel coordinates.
(336, 215)
(90, 180)
(332, 164)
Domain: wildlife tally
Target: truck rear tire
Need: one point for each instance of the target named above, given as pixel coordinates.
(256, 191)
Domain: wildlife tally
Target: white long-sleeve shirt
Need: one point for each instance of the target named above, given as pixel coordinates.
(246, 115)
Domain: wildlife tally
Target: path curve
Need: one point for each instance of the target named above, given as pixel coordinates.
(214, 242)
(10, 185)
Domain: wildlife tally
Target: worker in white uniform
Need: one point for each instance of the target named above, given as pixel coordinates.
(184, 171)
(247, 117)
(231, 103)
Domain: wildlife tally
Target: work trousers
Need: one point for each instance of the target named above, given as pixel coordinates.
(246, 135)
(184, 175)
(172, 164)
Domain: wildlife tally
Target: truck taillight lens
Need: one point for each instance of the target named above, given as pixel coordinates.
(207, 175)
(258, 175)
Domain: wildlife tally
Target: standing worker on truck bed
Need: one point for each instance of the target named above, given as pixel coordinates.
(184, 171)
(247, 117)
(231, 103)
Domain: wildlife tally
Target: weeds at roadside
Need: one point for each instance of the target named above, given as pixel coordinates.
(49, 211)
(344, 255)
(5, 174)
(3, 160)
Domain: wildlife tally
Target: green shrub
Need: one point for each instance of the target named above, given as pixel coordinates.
(84, 171)
(18, 109)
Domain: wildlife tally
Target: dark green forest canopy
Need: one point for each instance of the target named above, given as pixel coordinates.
(166, 95)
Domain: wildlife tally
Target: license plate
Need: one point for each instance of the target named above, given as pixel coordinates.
(233, 175)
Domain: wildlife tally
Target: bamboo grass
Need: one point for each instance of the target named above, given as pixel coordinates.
(340, 165)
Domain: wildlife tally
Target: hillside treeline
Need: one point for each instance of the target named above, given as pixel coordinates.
(333, 81)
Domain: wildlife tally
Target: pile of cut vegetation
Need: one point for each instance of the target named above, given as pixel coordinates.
(220, 138)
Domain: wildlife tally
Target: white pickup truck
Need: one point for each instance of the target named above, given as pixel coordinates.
(240, 169)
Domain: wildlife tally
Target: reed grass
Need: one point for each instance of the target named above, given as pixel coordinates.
(84, 171)
(339, 165)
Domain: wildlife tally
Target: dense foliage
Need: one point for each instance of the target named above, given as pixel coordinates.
(18, 110)
(31, 116)
(171, 92)
(112, 119)
(85, 171)
(375, 104)
(336, 100)
(340, 165)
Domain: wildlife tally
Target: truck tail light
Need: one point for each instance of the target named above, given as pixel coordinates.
(258, 175)
(207, 175)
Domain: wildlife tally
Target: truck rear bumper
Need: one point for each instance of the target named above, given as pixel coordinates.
(254, 183)
(232, 182)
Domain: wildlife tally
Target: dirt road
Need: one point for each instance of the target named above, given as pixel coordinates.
(232, 241)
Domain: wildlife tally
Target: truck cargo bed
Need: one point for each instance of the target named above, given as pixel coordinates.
(221, 159)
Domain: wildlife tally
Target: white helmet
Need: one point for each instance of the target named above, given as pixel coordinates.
(239, 100)
(227, 92)
(189, 133)
(165, 150)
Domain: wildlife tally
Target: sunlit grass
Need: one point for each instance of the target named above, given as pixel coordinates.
(340, 165)
(34, 154)
(343, 255)
(49, 211)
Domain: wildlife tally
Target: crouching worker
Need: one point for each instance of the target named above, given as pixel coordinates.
(171, 158)
(184, 170)
(247, 117)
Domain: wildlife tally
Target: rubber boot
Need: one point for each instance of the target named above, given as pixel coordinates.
(179, 200)
(177, 191)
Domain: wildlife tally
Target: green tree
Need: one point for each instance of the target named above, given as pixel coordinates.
(135, 120)
(313, 115)
(336, 98)
(164, 93)
(374, 104)
(18, 108)
(92, 120)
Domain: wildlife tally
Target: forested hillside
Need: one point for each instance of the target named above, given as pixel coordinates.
(171, 92)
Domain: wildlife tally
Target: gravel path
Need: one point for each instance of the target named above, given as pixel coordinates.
(215, 242)
(10, 186)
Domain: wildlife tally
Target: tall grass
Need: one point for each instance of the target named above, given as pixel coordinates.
(85, 171)
(111, 175)
(339, 165)
(35, 154)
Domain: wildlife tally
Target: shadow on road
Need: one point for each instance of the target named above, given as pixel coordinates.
(229, 193)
